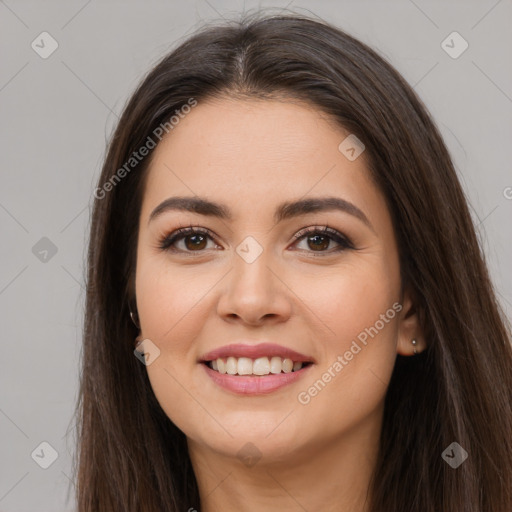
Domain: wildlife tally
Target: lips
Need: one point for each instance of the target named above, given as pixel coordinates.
(254, 385)
(238, 350)
(255, 369)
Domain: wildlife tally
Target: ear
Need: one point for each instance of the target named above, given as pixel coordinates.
(409, 326)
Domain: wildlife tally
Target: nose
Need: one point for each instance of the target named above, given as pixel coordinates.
(254, 293)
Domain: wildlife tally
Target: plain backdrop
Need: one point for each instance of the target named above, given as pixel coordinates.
(57, 113)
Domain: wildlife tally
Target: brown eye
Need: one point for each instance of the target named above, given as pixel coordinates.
(318, 239)
(194, 240)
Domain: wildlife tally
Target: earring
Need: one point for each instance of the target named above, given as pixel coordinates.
(137, 341)
(135, 319)
(414, 346)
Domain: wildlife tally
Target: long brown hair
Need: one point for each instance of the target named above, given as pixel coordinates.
(131, 457)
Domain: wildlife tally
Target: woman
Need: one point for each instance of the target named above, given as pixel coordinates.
(287, 306)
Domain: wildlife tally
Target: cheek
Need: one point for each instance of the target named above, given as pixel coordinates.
(171, 306)
(357, 310)
(350, 298)
(169, 301)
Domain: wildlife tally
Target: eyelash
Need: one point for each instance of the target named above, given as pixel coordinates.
(166, 242)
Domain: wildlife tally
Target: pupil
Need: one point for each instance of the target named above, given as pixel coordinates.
(316, 237)
(197, 243)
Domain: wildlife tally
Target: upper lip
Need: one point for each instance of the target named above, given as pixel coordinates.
(255, 351)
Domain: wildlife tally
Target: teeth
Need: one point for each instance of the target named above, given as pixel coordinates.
(260, 366)
(244, 366)
(287, 365)
(276, 365)
(231, 366)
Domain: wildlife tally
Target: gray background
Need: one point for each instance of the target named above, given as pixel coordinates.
(58, 112)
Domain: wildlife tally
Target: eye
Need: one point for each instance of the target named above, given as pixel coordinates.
(195, 239)
(319, 239)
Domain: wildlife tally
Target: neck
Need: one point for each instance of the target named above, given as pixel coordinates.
(332, 476)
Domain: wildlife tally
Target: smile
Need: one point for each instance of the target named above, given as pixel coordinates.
(251, 383)
(249, 369)
(257, 367)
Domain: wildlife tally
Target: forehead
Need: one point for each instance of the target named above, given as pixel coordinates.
(260, 131)
(254, 153)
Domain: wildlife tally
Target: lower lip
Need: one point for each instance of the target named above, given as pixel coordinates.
(254, 385)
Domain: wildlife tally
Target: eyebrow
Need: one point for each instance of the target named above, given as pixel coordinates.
(284, 211)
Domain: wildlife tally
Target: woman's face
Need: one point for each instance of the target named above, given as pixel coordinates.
(245, 280)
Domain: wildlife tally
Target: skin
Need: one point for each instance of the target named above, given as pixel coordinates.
(251, 155)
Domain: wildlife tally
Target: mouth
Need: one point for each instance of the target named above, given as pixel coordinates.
(255, 369)
(259, 367)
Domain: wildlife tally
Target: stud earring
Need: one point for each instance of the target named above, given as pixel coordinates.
(414, 342)
(137, 341)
